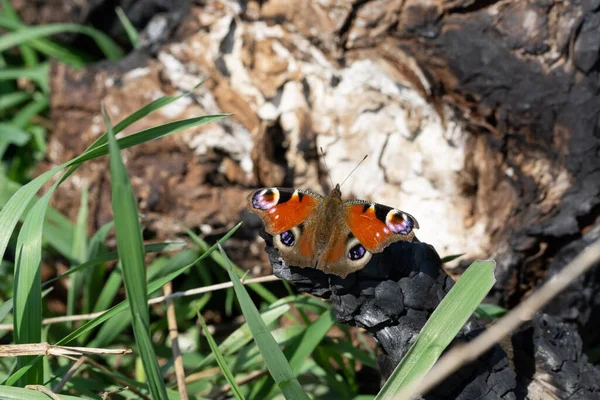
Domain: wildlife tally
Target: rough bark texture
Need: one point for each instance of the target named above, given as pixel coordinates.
(480, 119)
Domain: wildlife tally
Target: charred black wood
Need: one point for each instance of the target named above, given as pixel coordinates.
(395, 294)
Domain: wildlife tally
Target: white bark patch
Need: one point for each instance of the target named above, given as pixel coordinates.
(356, 110)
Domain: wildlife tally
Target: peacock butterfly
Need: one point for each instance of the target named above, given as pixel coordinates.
(328, 233)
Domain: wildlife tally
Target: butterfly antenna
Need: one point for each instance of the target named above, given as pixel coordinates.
(326, 167)
(357, 165)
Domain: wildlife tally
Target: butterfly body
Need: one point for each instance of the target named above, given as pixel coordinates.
(328, 233)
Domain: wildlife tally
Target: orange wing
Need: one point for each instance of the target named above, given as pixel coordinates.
(282, 209)
(377, 226)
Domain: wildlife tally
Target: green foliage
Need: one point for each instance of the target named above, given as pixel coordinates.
(129, 28)
(274, 359)
(130, 245)
(490, 311)
(221, 360)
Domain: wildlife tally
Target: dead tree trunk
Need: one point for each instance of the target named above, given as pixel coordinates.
(523, 77)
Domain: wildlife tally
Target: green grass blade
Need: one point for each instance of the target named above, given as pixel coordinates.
(353, 352)
(129, 28)
(130, 246)
(452, 257)
(242, 336)
(8, 10)
(12, 135)
(48, 47)
(38, 74)
(80, 235)
(98, 272)
(147, 135)
(310, 339)
(58, 230)
(221, 360)
(27, 33)
(14, 208)
(7, 306)
(10, 100)
(96, 245)
(490, 311)
(28, 287)
(14, 393)
(79, 252)
(300, 352)
(274, 359)
(112, 256)
(258, 288)
(152, 287)
(33, 108)
(441, 328)
(109, 292)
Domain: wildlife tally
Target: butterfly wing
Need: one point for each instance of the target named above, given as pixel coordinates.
(377, 226)
(290, 216)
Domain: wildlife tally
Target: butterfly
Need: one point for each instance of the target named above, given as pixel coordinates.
(325, 232)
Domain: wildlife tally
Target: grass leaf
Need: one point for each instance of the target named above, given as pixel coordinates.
(242, 336)
(452, 257)
(443, 325)
(28, 286)
(27, 33)
(130, 246)
(14, 393)
(129, 28)
(16, 205)
(490, 311)
(258, 288)
(221, 360)
(79, 252)
(38, 74)
(299, 352)
(274, 359)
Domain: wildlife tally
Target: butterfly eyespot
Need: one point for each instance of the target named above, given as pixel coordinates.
(265, 199)
(357, 252)
(287, 238)
(398, 222)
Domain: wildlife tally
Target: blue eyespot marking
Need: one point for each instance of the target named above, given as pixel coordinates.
(287, 238)
(357, 252)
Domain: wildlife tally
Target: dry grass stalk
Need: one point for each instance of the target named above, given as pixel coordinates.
(37, 349)
(43, 389)
(174, 333)
(106, 395)
(191, 292)
(59, 386)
